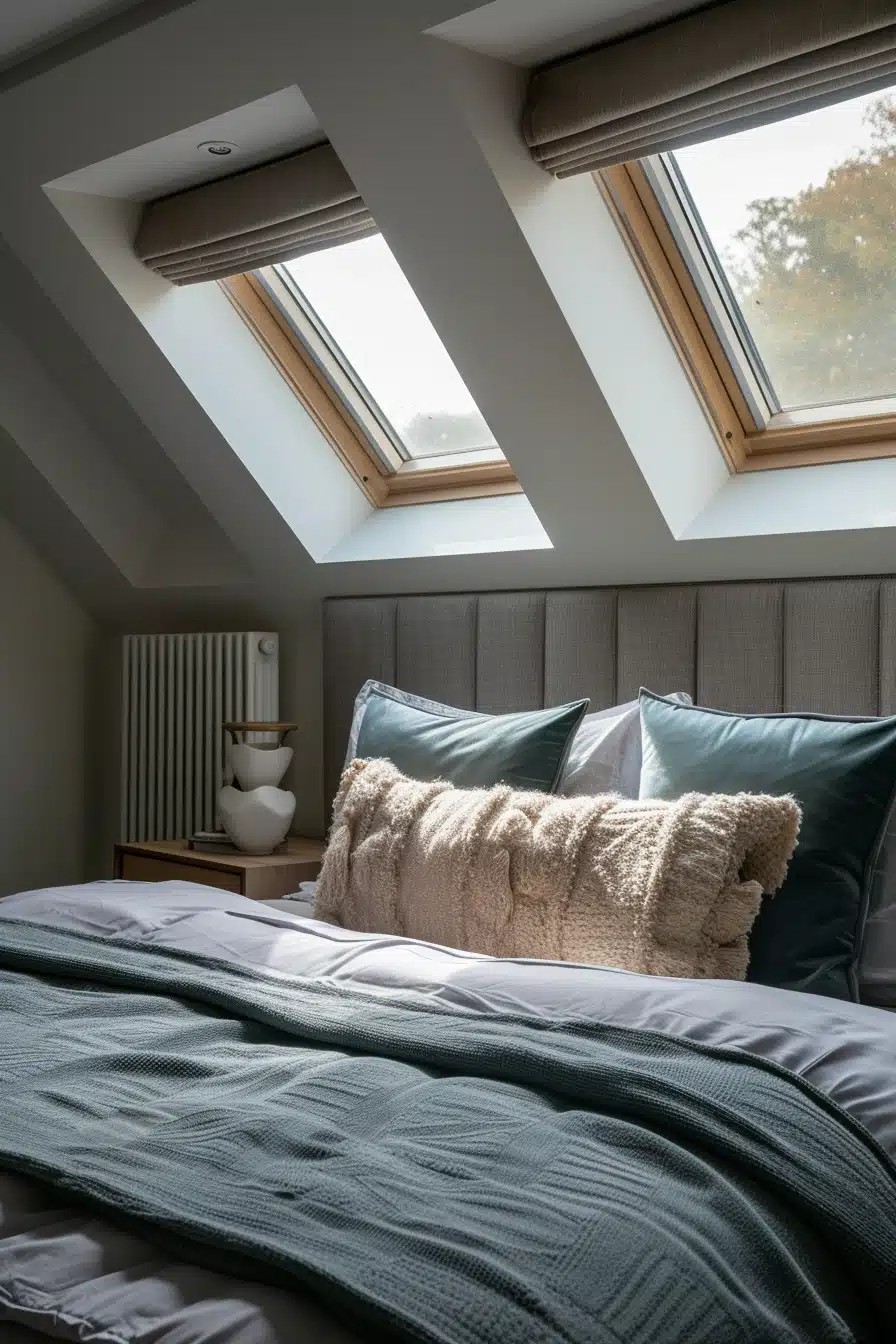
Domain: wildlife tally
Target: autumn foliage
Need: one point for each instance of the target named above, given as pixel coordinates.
(816, 277)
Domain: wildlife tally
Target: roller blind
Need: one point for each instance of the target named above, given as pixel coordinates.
(272, 213)
(738, 64)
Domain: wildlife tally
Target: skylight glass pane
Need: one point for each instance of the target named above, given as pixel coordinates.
(360, 295)
(801, 215)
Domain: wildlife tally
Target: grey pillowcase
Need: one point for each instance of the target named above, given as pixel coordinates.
(429, 740)
(821, 932)
(876, 967)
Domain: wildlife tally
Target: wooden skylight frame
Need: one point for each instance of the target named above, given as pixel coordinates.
(420, 481)
(745, 444)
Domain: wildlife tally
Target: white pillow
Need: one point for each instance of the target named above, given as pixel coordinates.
(605, 756)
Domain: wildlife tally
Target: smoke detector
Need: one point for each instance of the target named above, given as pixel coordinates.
(219, 148)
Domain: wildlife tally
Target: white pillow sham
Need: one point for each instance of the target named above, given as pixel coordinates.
(605, 756)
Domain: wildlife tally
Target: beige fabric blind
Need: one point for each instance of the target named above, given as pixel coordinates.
(268, 214)
(741, 63)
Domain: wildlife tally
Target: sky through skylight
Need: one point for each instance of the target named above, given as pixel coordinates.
(800, 214)
(363, 299)
(725, 175)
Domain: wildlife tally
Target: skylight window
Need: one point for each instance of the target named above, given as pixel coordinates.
(770, 256)
(798, 217)
(354, 343)
(377, 329)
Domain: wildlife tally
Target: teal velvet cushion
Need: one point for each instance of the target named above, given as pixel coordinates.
(842, 773)
(427, 740)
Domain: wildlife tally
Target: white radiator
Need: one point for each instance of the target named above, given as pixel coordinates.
(177, 690)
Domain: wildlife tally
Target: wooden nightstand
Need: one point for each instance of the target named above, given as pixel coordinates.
(260, 877)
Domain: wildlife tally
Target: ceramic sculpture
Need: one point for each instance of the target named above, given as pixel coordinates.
(257, 815)
(256, 821)
(254, 765)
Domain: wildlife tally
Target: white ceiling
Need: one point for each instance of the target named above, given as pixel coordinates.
(528, 32)
(264, 129)
(29, 25)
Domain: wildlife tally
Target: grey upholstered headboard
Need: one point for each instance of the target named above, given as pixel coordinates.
(827, 645)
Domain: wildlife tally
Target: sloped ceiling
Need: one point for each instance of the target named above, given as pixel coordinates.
(428, 132)
(528, 32)
(35, 34)
(39, 23)
(266, 129)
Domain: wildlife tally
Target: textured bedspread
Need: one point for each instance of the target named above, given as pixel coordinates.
(427, 1167)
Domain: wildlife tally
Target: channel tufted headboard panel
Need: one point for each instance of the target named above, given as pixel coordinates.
(827, 645)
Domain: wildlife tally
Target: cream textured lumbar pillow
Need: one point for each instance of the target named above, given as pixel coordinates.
(666, 888)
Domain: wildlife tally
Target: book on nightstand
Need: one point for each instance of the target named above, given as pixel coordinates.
(219, 842)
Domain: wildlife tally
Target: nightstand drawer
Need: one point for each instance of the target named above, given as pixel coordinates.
(142, 868)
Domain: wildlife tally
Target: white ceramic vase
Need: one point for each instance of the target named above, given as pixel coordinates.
(254, 765)
(256, 820)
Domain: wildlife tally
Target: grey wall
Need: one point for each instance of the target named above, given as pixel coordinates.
(49, 780)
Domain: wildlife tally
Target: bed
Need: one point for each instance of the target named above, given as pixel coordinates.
(229, 1121)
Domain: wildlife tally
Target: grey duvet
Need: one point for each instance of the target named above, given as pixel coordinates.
(318, 1127)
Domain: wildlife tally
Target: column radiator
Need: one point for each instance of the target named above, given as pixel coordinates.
(177, 690)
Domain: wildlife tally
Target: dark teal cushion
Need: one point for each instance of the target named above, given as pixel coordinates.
(427, 740)
(842, 773)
